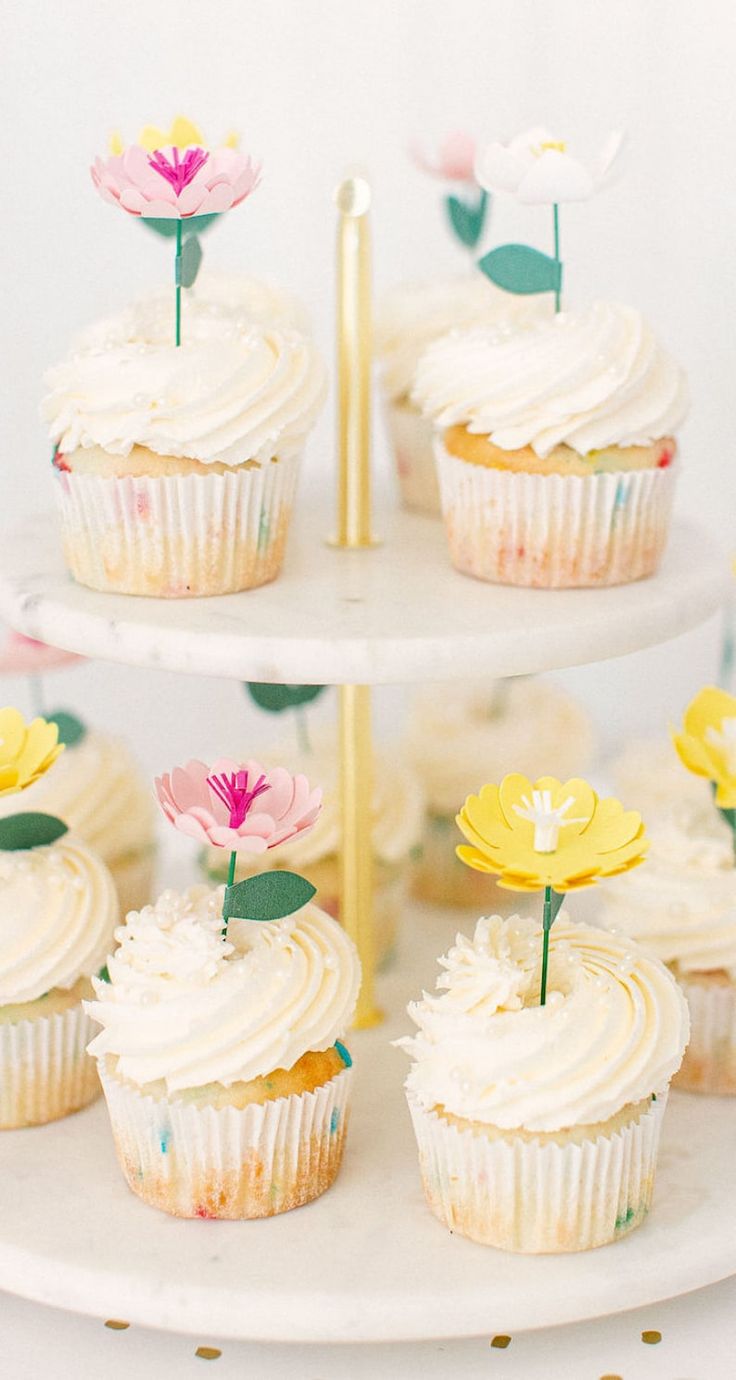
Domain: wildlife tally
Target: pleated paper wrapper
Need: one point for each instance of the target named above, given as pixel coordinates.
(228, 1162)
(709, 1065)
(554, 531)
(411, 437)
(180, 535)
(532, 1196)
(45, 1072)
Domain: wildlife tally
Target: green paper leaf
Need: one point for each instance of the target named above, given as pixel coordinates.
(191, 260)
(71, 729)
(269, 896)
(29, 830)
(467, 220)
(556, 901)
(276, 698)
(190, 225)
(520, 269)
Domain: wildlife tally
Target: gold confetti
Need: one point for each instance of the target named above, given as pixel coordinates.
(611, 1377)
(208, 1353)
(651, 1338)
(116, 1324)
(501, 1341)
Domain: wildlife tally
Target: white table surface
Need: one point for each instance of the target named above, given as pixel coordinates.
(698, 1343)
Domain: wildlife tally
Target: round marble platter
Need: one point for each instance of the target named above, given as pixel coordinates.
(394, 613)
(368, 1261)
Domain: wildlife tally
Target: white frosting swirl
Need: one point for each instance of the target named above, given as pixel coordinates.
(612, 1032)
(250, 396)
(187, 1007)
(218, 305)
(682, 905)
(98, 791)
(59, 913)
(461, 735)
(412, 315)
(587, 379)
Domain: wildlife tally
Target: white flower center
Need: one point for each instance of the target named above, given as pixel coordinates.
(724, 740)
(547, 819)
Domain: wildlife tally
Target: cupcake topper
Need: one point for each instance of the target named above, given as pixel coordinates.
(177, 186)
(538, 169)
(548, 835)
(454, 161)
(707, 747)
(27, 751)
(24, 656)
(247, 809)
(277, 698)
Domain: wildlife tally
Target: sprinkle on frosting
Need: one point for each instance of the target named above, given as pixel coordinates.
(612, 1032)
(186, 1006)
(586, 379)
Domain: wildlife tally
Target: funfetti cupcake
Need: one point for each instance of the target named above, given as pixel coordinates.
(397, 812)
(177, 461)
(556, 446)
(540, 1070)
(221, 1052)
(59, 912)
(682, 907)
(527, 722)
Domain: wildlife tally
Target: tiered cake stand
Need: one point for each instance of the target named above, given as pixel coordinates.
(368, 1261)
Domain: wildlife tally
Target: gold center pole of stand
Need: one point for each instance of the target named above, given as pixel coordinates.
(353, 198)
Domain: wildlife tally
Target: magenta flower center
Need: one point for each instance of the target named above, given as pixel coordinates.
(177, 170)
(236, 794)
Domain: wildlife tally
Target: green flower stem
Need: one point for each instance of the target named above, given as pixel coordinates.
(546, 927)
(177, 280)
(302, 730)
(230, 882)
(37, 696)
(555, 214)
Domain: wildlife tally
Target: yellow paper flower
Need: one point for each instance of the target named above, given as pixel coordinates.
(26, 750)
(707, 744)
(183, 134)
(548, 833)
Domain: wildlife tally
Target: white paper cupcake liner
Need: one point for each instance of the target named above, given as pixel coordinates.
(177, 536)
(532, 1196)
(709, 1065)
(411, 437)
(556, 530)
(45, 1071)
(229, 1162)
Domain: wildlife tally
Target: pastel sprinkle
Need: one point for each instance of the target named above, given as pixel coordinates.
(344, 1054)
(334, 1120)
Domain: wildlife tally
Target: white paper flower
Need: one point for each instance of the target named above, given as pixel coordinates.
(537, 168)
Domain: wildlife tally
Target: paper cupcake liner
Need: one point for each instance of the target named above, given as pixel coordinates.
(256, 1161)
(555, 530)
(709, 1065)
(535, 1197)
(411, 437)
(134, 879)
(177, 536)
(45, 1071)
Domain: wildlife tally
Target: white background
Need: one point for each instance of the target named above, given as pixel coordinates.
(315, 86)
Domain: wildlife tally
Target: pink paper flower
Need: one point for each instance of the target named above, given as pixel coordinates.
(175, 183)
(23, 656)
(238, 805)
(454, 160)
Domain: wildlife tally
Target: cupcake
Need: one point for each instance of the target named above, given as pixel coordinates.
(221, 1056)
(648, 771)
(411, 316)
(455, 731)
(176, 467)
(97, 789)
(556, 448)
(398, 807)
(538, 1125)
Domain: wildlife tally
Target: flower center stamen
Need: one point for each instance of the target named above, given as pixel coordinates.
(178, 171)
(547, 819)
(235, 794)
